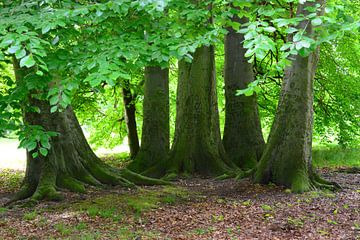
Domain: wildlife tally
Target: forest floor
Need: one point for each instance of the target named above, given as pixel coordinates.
(191, 209)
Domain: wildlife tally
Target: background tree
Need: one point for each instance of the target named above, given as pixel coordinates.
(243, 140)
(155, 140)
(130, 119)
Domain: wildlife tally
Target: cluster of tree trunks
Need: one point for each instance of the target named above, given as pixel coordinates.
(197, 148)
(70, 163)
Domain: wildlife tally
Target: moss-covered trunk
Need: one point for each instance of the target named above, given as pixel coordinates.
(70, 163)
(243, 139)
(130, 119)
(197, 147)
(156, 131)
(287, 158)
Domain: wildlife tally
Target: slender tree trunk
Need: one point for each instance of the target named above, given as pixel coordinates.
(243, 139)
(197, 147)
(287, 158)
(156, 130)
(70, 163)
(130, 119)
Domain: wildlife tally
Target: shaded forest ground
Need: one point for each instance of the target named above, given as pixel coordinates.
(191, 209)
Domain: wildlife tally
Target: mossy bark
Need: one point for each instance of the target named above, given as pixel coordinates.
(197, 146)
(70, 163)
(130, 119)
(156, 130)
(287, 158)
(243, 139)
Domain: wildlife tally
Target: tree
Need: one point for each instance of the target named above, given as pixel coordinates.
(70, 163)
(243, 140)
(287, 157)
(156, 130)
(197, 147)
(130, 119)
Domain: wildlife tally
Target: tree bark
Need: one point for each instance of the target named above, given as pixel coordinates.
(130, 119)
(70, 163)
(156, 130)
(197, 147)
(243, 139)
(287, 158)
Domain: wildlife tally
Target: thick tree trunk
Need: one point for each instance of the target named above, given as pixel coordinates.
(243, 139)
(197, 147)
(287, 158)
(156, 130)
(70, 163)
(130, 119)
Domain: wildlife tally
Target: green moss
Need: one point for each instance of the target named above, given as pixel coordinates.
(71, 183)
(115, 206)
(300, 183)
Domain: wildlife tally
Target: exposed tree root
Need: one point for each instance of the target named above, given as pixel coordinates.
(320, 183)
(50, 186)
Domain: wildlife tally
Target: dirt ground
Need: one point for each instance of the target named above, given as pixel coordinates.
(201, 209)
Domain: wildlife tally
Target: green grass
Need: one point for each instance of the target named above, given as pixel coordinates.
(30, 216)
(335, 157)
(10, 180)
(118, 160)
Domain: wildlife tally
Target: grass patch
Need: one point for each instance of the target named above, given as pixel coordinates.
(10, 180)
(63, 229)
(117, 160)
(116, 206)
(3, 210)
(30, 216)
(335, 157)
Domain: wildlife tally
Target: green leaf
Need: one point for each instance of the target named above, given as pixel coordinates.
(13, 49)
(27, 61)
(45, 29)
(54, 100)
(125, 76)
(20, 53)
(45, 143)
(54, 109)
(270, 29)
(35, 155)
(291, 30)
(316, 22)
(31, 146)
(6, 43)
(66, 99)
(302, 44)
(43, 151)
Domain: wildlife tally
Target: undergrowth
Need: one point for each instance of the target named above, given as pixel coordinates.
(335, 157)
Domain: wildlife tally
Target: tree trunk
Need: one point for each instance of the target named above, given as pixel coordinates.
(287, 158)
(197, 147)
(243, 139)
(156, 130)
(130, 119)
(70, 163)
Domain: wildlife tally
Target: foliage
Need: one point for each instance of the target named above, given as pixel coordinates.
(83, 52)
